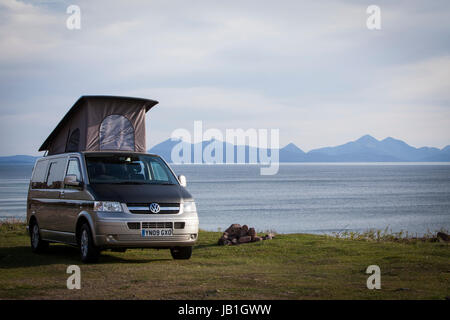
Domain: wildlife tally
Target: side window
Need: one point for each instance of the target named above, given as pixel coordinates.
(73, 168)
(38, 179)
(55, 174)
(158, 172)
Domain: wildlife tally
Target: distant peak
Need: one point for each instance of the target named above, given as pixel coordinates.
(292, 147)
(367, 138)
(394, 141)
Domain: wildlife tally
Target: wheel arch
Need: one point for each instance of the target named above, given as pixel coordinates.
(84, 217)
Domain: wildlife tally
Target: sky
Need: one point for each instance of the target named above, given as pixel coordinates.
(311, 69)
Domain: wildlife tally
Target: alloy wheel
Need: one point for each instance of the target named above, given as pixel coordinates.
(84, 243)
(35, 236)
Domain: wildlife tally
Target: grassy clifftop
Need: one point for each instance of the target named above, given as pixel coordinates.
(294, 266)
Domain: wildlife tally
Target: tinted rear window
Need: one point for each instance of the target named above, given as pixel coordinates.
(55, 173)
(39, 175)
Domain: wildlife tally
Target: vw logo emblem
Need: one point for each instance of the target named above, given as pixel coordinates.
(154, 207)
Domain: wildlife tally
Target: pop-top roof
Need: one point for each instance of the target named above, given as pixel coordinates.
(96, 123)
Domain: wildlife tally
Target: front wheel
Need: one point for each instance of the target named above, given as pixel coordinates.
(37, 244)
(89, 252)
(181, 252)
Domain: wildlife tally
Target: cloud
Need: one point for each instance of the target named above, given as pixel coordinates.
(311, 69)
(424, 81)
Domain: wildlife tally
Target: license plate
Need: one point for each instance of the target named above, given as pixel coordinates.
(156, 232)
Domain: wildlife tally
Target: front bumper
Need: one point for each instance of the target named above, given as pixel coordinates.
(114, 232)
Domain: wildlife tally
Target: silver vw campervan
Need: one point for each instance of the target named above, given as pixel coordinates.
(100, 190)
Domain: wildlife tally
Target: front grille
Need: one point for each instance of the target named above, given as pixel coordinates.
(134, 225)
(144, 208)
(153, 225)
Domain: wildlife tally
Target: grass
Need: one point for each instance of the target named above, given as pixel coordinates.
(388, 235)
(291, 266)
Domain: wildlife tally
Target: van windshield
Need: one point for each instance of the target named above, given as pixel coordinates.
(128, 169)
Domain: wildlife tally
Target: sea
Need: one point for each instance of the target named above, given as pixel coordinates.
(319, 198)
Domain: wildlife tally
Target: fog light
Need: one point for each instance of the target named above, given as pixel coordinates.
(193, 236)
(178, 225)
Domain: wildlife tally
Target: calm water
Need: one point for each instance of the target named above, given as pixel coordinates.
(313, 198)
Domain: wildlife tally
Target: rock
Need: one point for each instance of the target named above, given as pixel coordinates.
(243, 232)
(236, 234)
(222, 241)
(245, 239)
(232, 229)
(443, 236)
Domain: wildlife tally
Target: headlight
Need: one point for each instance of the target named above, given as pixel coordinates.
(189, 206)
(107, 206)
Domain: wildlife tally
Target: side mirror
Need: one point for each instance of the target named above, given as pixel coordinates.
(182, 180)
(71, 180)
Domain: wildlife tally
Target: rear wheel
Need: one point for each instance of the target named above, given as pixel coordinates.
(181, 252)
(37, 244)
(89, 252)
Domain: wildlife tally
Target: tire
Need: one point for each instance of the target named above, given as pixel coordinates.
(37, 244)
(88, 251)
(181, 252)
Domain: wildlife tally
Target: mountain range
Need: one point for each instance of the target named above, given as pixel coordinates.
(18, 159)
(364, 149)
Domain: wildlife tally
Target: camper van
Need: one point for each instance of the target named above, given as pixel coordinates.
(98, 189)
